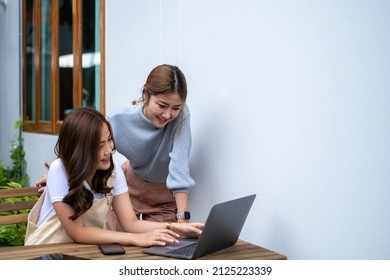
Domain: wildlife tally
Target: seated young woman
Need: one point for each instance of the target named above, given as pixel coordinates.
(83, 184)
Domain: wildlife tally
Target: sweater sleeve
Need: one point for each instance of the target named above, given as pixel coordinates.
(179, 178)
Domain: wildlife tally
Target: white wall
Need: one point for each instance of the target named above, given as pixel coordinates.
(289, 100)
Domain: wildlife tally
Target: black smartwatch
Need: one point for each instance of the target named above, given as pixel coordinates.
(183, 215)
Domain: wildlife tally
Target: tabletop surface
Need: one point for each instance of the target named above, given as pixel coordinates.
(242, 250)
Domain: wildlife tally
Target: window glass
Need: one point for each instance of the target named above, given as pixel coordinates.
(62, 60)
(65, 53)
(91, 53)
(29, 66)
(46, 110)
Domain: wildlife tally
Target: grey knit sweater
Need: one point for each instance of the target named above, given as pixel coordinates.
(158, 155)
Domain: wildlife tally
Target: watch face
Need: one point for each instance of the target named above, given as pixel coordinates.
(184, 215)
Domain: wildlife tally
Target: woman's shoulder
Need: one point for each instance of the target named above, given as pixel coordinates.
(124, 112)
(57, 167)
(57, 171)
(56, 164)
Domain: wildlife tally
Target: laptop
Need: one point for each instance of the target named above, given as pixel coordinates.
(221, 230)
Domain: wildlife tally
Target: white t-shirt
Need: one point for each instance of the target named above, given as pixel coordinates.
(57, 188)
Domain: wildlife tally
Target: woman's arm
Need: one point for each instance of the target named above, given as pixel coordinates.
(41, 183)
(129, 222)
(179, 179)
(181, 204)
(80, 233)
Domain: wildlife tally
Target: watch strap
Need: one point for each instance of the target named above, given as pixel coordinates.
(183, 215)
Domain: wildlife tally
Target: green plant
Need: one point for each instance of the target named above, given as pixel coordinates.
(14, 177)
(13, 235)
(16, 173)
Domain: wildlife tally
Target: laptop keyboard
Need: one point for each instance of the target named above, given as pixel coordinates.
(185, 251)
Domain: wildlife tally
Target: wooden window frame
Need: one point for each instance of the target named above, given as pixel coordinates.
(53, 126)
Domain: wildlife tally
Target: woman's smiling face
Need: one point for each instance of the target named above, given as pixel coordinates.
(106, 148)
(162, 108)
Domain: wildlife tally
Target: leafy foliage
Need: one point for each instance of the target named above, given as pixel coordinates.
(17, 172)
(13, 235)
(14, 177)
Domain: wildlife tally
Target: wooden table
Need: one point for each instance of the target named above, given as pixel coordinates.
(242, 250)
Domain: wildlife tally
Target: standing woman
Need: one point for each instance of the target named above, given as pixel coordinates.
(154, 134)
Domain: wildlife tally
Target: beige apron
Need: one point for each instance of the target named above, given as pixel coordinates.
(52, 231)
(151, 201)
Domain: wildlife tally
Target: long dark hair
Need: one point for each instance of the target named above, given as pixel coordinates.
(77, 147)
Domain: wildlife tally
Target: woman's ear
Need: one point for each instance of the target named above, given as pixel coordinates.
(145, 94)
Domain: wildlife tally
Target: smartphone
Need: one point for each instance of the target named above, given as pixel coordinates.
(111, 249)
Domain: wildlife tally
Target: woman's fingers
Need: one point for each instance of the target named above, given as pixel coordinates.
(166, 236)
